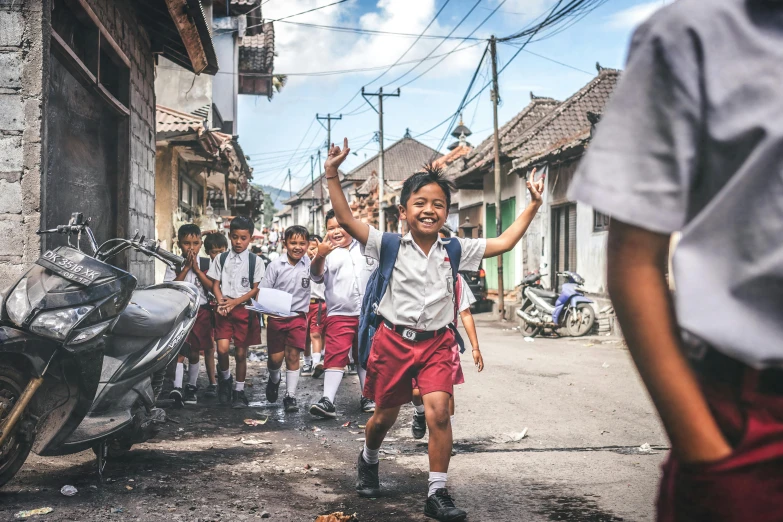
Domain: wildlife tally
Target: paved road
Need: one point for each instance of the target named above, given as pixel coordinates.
(581, 400)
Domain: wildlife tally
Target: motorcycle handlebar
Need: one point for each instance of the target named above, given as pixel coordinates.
(164, 254)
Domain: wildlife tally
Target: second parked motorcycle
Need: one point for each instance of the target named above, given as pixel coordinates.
(569, 310)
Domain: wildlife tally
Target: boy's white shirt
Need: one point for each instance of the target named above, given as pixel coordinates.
(190, 277)
(466, 298)
(346, 273)
(420, 292)
(317, 290)
(292, 279)
(234, 280)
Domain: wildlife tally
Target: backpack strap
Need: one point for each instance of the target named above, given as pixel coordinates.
(251, 261)
(390, 246)
(454, 250)
(203, 263)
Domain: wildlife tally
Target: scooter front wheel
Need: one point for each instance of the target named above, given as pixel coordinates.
(580, 320)
(529, 329)
(17, 446)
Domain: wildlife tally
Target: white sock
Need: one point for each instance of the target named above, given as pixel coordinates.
(308, 359)
(316, 358)
(362, 373)
(350, 358)
(291, 380)
(452, 422)
(178, 374)
(437, 481)
(193, 374)
(419, 409)
(332, 380)
(225, 374)
(274, 376)
(370, 456)
(239, 386)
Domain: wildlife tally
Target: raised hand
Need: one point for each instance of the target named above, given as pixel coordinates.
(194, 264)
(326, 247)
(536, 188)
(336, 156)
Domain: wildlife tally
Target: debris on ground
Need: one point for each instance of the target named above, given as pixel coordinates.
(605, 365)
(529, 340)
(361, 426)
(347, 424)
(337, 517)
(255, 404)
(256, 422)
(645, 448)
(255, 442)
(511, 437)
(253, 357)
(68, 490)
(116, 510)
(32, 512)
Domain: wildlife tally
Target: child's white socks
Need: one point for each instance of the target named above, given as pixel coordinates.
(179, 373)
(291, 380)
(193, 374)
(437, 480)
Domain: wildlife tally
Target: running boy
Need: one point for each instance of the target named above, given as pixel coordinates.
(236, 275)
(200, 337)
(415, 339)
(466, 300)
(214, 245)
(286, 335)
(315, 319)
(344, 270)
(693, 140)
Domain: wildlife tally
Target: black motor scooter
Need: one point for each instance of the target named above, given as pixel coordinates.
(83, 355)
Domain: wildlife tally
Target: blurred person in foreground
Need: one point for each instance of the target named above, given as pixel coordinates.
(693, 140)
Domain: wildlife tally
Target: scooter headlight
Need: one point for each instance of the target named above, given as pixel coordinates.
(18, 305)
(58, 323)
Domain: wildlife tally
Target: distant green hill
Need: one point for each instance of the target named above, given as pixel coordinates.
(278, 195)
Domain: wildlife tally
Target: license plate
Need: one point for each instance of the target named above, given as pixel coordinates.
(69, 267)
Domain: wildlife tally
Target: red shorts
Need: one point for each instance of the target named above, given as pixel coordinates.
(457, 375)
(200, 337)
(286, 331)
(340, 339)
(394, 362)
(747, 485)
(240, 325)
(316, 316)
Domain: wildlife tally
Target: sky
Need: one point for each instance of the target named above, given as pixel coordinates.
(283, 133)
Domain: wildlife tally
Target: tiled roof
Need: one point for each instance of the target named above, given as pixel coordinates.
(400, 160)
(285, 212)
(256, 61)
(484, 154)
(452, 156)
(171, 121)
(203, 112)
(567, 121)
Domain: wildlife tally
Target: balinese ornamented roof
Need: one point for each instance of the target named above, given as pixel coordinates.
(400, 160)
(257, 61)
(458, 152)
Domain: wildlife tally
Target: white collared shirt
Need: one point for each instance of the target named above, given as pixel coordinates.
(317, 290)
(192, 278)
(421, 289)
(346, 272)
(293, 279)
(234, 277)
(466, 298)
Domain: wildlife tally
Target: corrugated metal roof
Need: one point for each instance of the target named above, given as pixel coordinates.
(400, 160)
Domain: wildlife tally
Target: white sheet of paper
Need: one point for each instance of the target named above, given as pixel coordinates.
(273, 302)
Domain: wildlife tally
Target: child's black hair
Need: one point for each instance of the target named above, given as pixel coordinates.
(329, 215)
(296, 230)
(215, 240)
(242, 223)
(430, 174)
(188, 229)
(316, 237)
(255, 249)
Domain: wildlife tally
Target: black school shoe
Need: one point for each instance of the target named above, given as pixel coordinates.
(367, 482)
(190, 394)
(176, 396)
(324, 409)
(441, 507)
(272, 390)
(289, 404)
(211, 392)
(239, 399)
(367, 405)
(419, 426)
(318, 370)
(224, 389)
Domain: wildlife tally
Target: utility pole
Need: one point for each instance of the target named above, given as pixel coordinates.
(312, 192)
(498, 218)
(379, 110)
(329, 118)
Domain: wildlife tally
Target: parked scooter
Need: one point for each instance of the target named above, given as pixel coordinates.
(83, 355)
(569, 309)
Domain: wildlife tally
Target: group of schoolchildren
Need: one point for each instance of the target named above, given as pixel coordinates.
(413, 352)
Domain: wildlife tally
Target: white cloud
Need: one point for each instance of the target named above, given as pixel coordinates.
(634, 16)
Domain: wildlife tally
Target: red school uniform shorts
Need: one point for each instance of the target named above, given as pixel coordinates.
(286, 331)
(457, 375)
(340, 339)
(240, 325)
(200, 337)
(316, 316)
(394, 362)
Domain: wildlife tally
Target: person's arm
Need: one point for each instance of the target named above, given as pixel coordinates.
(637, 285)
(318, 263)
(233, 303)
(511, 236)
(470, 329)
(342, 211)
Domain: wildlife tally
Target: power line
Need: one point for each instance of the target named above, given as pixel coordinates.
(359, 30)
(550, 59)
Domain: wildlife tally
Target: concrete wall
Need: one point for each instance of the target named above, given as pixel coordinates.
(181, 90)
(591, 250)
(225, 85)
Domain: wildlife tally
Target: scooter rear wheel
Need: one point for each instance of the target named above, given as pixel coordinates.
(580, 320)
(14, 451)
(527, 329)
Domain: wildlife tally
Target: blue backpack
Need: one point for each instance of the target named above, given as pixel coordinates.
(379, 281)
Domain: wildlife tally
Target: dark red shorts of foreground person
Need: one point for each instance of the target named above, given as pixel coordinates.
(200, 337)
(340, 339)
(286, 331)
(748, 484)
(241, 325)
(395, 361)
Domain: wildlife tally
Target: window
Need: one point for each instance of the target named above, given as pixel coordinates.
(600, 222)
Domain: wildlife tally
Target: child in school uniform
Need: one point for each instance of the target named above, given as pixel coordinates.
(286, 335)
(414, 336)
(344, 270)
(236, 275)
(214, 245)
(193, 271)
(466, 300)
(316, 315)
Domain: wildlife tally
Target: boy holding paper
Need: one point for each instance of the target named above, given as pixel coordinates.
(286, 335)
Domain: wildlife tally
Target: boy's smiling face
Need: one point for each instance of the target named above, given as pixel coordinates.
(338, 236)
(296, 247)
(240, 239)
(426, 211)
(190, 243)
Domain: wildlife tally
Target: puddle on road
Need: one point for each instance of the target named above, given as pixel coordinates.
(570, 507)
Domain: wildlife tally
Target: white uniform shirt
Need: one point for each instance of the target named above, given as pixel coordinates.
(421, 290)
(192, 278)
(234, 277)
(346, 272)
(317, 290)
(466, 297)
(293, 279)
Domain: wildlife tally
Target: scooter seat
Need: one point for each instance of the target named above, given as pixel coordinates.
(152, 313)
(545, 294)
